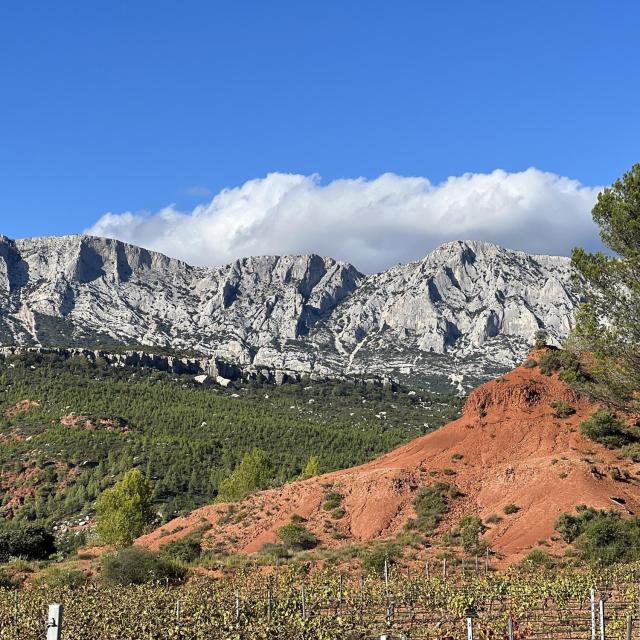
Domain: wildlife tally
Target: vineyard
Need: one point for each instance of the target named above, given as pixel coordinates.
(289, 605)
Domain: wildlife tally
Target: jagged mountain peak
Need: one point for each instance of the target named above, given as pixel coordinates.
(474, 305)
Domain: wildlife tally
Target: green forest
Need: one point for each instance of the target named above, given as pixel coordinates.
(70, 429)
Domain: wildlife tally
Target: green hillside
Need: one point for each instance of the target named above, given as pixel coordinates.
(70, 428)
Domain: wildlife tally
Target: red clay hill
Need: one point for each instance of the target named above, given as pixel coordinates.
(508, 447)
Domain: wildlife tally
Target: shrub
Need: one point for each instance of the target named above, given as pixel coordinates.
(607, 428)
(632, 451)
(58, 577)
(511, 508)
(332, 500)
(564, 361)
(470, 528)
(569, 527)
(431, 504)
(615, 474)
(297, 518)
(25, 539)
(7, 581)
(373, 559)
(540, 339)
(539, 559)
(274, 551)
(494, 518)
(562, 409)
(456, 457)
(530, 363)
(449, 472)
(184, 550)
(311, 469)
(601, 536)
(134, 565)
(297, 537)
(607, 538)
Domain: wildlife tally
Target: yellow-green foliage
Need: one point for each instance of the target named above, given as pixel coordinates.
(123, 510)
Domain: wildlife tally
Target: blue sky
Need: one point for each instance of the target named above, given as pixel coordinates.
(132, 106)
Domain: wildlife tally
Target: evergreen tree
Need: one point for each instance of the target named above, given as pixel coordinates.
(123, 511)
(311, 469)
(252, 474)
(608, 326)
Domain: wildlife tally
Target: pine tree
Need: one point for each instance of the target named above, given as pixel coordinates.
(311, 469)
(252, 474)
(123, 511)
(607, 325)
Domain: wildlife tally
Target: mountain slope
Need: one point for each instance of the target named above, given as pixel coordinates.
(468, 308)
(508, 447)
(70, 426)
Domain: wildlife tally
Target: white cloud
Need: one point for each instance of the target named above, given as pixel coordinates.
(371, 223)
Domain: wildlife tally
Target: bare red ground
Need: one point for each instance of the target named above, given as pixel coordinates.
(513, 451)
(20, 407)
(86, 422)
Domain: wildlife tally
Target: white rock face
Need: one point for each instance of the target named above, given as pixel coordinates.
(474, 304)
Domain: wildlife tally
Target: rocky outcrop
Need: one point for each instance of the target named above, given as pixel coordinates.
(468, 308)
(205, 370)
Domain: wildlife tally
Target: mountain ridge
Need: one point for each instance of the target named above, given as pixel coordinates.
(468, 308)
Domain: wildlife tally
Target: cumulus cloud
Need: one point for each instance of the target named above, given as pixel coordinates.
(371, 223)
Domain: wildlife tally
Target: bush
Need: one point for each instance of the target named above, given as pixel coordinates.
(7, 581)
(27, 540)
(467, 535)
(615, 474)
(297, 537)
(530, 363)
(511, 508)
(432, 503)
(311, 469)
(470, 528)
(564, 361)
(332, 500)
(562, 409)
(607, 538)
(540, 339)
(183, 549)
(135, 565)
(607, 428)
(569, 527)
(297, 518)
(123, 510)
(632, 451)
(373, 559)
(538, 559)
(274, 551)
(601, 536)
(58, 577)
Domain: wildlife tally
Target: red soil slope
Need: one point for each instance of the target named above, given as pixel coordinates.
(513, 451)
